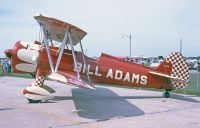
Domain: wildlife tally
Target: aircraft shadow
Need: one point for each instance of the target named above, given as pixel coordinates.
(186, 98)
(5, 109)
(183, 98)
(102, 104)
(172, 96)
(59, 98)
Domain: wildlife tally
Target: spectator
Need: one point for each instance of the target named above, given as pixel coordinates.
(2, 65)
(5, 66)
(9, 64)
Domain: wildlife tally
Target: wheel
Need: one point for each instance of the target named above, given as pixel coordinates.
(166, 94)
(33, 101)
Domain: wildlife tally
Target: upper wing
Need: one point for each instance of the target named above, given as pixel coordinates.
(70, 78)
(56, 29)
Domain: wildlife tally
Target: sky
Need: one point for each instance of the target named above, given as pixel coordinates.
(156, 26)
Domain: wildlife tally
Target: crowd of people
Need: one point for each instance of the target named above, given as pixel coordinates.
(5, 66)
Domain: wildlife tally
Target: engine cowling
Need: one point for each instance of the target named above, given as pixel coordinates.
(24, 57)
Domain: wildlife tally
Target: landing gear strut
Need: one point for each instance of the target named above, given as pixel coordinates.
(166, 94)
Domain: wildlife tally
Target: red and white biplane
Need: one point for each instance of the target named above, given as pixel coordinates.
(63, 64)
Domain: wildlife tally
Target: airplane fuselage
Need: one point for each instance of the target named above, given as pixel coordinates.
(105, 70)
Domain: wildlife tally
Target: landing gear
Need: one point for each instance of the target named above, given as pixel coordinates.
(33, 75)
(166, 94)
(33, 101)
(36, 94)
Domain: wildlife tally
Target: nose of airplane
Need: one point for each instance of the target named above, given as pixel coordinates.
(24, 57)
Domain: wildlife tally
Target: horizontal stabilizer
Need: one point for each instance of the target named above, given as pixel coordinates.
(168, 76)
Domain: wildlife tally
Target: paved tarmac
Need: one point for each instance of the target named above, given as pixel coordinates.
(109, 107)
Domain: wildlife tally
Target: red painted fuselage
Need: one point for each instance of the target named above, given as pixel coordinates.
(106, 70)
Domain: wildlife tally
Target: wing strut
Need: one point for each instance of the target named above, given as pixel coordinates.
(46, 43)
(74, 56)
(84, 61)
(66, 34)
(61, 48)
(47, 48)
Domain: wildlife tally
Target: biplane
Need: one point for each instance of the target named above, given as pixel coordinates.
(55, 58)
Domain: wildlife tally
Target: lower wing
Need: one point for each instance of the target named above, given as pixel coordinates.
(70, 78)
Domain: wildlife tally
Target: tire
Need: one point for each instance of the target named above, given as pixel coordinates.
(166, 94)
(33, 101)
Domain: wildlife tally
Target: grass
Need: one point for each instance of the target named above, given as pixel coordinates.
(190, 89)
(22, 75)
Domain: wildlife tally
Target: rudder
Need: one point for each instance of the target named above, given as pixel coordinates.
(179, 69)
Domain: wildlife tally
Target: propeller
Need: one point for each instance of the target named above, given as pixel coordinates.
(8, 53)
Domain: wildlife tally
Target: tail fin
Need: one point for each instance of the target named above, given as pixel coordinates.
(178, 70)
